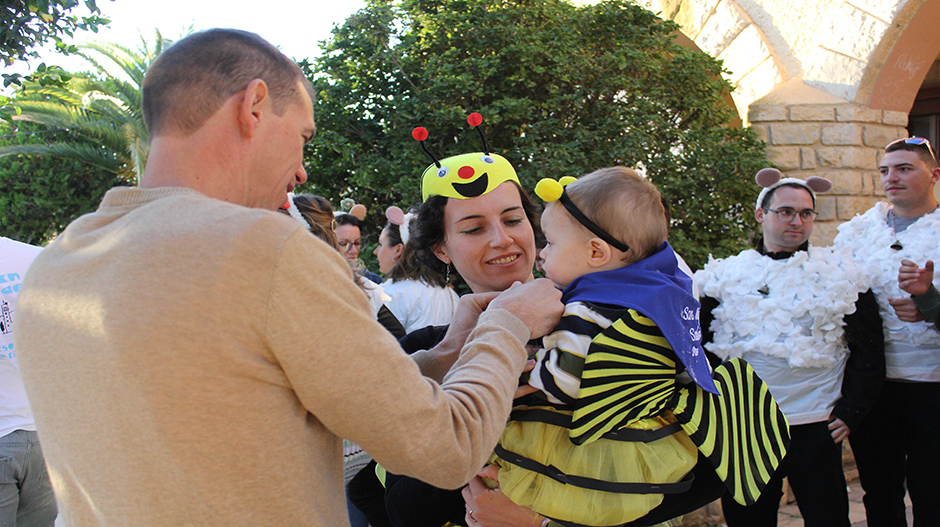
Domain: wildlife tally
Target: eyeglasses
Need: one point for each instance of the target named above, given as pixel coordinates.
(919, 141)
(345, 245)
(787, 214)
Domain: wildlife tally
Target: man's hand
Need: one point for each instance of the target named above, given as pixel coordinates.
(537, 303)
(465, 319)
(913, 279)
(838, 429)
(906, 309)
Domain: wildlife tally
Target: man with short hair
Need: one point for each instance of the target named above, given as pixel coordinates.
(195, 359)
(802, 317)
(899, 445)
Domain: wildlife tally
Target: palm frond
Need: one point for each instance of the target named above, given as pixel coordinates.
(84, 152)
(101, 113)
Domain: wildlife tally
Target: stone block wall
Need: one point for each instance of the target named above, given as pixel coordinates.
(838, 141)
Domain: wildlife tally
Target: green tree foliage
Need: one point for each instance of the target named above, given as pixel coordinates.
(28, 24)
(40, 195)
(102, 112)
(563, 90)
(25, 25)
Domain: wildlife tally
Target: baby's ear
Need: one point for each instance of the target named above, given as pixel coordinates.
(600, 252)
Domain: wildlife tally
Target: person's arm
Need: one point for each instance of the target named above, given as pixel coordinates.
(706, 317)
(864, 369)
(929, 305)
(354, 380)
(488, 507)
(918, 282)
(437, 361)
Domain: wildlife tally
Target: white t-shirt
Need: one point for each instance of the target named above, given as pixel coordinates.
(15, 259)
(418, 305)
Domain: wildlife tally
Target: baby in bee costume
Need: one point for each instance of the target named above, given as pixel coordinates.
(626, 398)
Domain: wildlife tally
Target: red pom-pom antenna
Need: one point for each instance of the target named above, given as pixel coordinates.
(475, 120)
(420, 133)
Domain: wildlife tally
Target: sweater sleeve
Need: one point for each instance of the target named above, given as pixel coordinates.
(865, 368)
(351, 375)
(707, 316)
(929, 305)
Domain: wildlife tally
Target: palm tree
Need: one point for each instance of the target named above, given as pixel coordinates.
(101, 112)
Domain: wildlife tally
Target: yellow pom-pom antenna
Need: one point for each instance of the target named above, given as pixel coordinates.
(548, 190)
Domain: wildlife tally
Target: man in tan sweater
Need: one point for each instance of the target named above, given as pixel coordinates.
(194, 359)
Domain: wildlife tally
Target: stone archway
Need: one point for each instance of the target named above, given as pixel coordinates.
(826, 84)
(908, 49)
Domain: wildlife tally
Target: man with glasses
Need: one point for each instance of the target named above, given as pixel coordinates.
(802, 317)
(899, 444)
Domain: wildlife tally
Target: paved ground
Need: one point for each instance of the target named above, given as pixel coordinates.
(790, 515)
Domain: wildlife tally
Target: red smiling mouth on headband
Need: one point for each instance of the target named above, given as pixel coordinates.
(474, 188)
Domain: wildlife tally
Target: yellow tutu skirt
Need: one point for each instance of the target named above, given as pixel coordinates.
(665, 460)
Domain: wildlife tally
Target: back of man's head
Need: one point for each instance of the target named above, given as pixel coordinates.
(193, 78)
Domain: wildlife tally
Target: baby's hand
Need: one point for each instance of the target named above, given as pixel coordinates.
(914, 280)
(526, 388)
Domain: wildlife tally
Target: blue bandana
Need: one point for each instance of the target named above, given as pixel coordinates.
(655, 287)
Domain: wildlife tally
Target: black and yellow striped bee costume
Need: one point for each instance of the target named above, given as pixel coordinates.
(634, 430)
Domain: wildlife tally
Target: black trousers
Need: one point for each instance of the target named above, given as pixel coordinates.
(899, 442)
(813, 466)
(368, 495)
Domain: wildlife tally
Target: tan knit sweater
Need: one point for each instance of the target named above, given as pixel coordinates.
(193, 362)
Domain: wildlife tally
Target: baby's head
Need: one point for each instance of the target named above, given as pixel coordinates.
(629, 224)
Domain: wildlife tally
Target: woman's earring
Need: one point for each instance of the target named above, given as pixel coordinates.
(447, 273)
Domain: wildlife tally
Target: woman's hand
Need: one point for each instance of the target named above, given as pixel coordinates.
(491, 508)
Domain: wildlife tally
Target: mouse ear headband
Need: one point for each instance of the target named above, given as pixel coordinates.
(395, 216)
(550, 190)
(771, 178)
(464, 176)
(294, 212)
(356, 209)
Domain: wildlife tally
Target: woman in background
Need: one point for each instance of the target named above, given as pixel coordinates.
(420, 294)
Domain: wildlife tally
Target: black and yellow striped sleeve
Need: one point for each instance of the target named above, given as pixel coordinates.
(629, 374)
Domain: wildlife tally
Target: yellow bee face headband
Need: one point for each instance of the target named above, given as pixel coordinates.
(467, 175)
(550, 190)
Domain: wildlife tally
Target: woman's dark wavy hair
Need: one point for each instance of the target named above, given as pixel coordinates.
(427, 231)
(409, 267)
